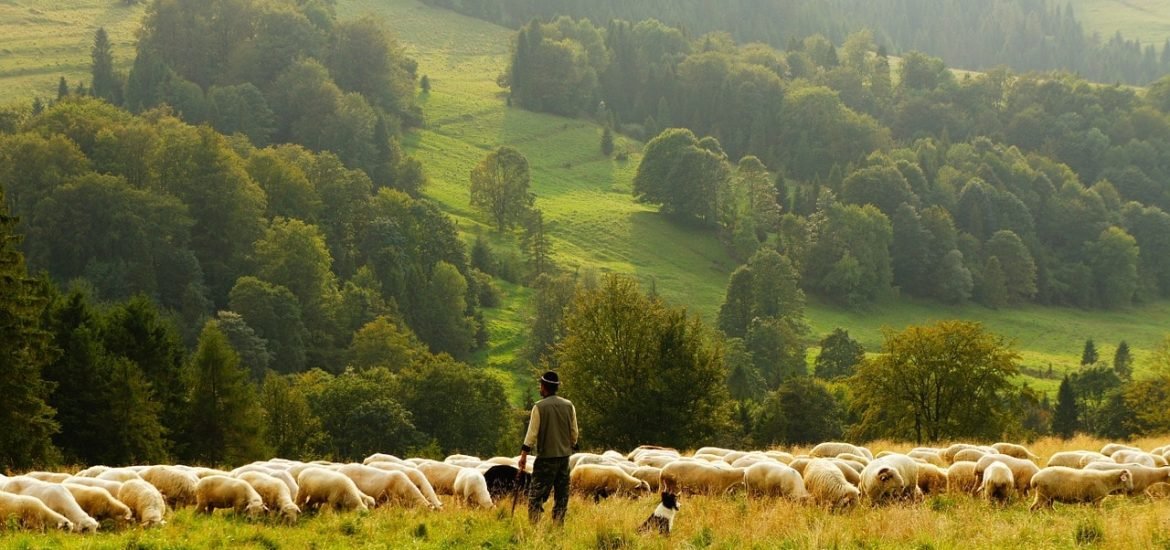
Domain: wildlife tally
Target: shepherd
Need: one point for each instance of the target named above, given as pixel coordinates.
(552, 437)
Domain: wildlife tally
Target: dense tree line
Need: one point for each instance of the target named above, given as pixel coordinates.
(274, 71)
(999, 188)
(1033, 35)
(209, 300)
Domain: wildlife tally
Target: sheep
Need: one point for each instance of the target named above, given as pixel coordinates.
(503, 480)
(657, 460)
(1061, 484)
(961, 478)
(320, 486)
(890, 477)
(384, 485)
(717, 451)
(380, 457)
(228, 492)
(948, 454)
(827, 485)
(854, 458)
(651, 475)
(929, 457)
(461, 458)
(1015, 451)
(280, 474)
(441, 476)
(177, 486)
(111, 486)
(471, 488)
(50, 477)
(780, 456)
(600, 481)
(1111, 448)
(643, 449)
(799, 464)
(1126, 456)
(99, 503)
(850, 471)
(852, 464)
(932, 480)
(202, 472)
(969, 455)
(697, 477)
(750, 459)
(31, 513)
(92, 471)
(119, 474)
(59, 500)
(832, 448)
(416, 477)
(774, 479)
(274, 493)
(1075, 459)
(1022, 470)
(998, 483)
(1143, 476)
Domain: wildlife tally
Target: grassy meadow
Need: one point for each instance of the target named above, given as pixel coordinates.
(1145, 20)
(731, 522)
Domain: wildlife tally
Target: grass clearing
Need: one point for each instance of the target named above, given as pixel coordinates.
(1145, 20)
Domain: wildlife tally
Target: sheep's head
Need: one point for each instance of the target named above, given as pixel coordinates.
(885, 474)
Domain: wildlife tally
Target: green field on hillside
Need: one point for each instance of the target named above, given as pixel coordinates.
(43, 40)
(1145, 20)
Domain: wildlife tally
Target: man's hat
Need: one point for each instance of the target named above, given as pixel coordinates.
(551, 378)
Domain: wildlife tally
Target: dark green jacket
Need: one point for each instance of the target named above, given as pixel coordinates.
(552, 428)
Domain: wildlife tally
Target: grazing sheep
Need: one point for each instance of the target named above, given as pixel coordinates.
(1111, 448)
(1126, 456)
(1075, 459)
(416, 477)
(99, 503)
(750, 459)
(461, 458)
(319, 486)
(891, 477)
(503, 480)
(112, 486)
(1022, 470)
(31, 513)
(600, 481)
(651, 475)
(1143, 476)
(1060, 484)
(643, 449)
(800, 463)
(49, 477)
(697, 477)
(177, 486)
(59, 500)
(441, 476)
(932, 480)
(948, 454)
(927, 456)
(384, 485)
(851, 472)
(380, 457)
(774, 479)
(827, 485)
(92, 471)
(228, 492)
(202, 472)
(657, 460)
(998, 483)
(961, 478)
(717, 451)
(471, 488)
(119, 474)
(831, 449)
(969, 455)
(1015, 451)
(780, 456)
(274, 493)
(854, 458)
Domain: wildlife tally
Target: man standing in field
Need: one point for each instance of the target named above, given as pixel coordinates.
(552, 433)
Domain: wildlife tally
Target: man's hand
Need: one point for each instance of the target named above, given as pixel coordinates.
(523, 463)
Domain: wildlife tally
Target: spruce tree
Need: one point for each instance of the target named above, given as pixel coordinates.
(1089, 354)
(62, 89)
(1123, 361)
(26, 419)
(105, 83)
(1064, 421)
(225, 425)
(425, 83)
(607, 142)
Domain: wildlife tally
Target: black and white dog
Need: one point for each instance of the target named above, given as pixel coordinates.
(663, 517)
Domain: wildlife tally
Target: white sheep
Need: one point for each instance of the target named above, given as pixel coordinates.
(31, 513)
(830, 449)
(214, 492)
(827, 485)
(1143, 476)
(50, 477)
(697, 477)
(1061, 484)
(273, 492)
(998, 483)
(772, 478)
(416, 477)
(385, 485)
(471, 488)
(176, 485)
(382, 457)
(932, 480)
(319, 486)
(1111, 448)
(1022, 470)
(600, 481)
(651, 475)
(1126, 456)
(441, 476)
(961, 478)
(112, 486)
(59, 500)
(1015, 451)
(119, 474)
(99, 503)
(891, 477)
(1075, 459)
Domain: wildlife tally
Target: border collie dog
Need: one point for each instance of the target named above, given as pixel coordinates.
(663, 517)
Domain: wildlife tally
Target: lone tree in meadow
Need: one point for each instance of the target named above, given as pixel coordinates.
(1089, 353)
(945, 381)
(499, 187)
(105, 83)
(1064, 420)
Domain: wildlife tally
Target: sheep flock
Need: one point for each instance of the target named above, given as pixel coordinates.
(832, 475)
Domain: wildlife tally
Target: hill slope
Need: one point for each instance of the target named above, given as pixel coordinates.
(1145, 20)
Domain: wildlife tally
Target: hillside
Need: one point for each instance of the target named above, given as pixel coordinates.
(1145, 20)
(595, 224)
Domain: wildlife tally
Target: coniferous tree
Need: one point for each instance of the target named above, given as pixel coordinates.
(1123, 361)
(607, 141)
(26, 419)
(1089, 353)
(1064, 421)
(62, 89)
(425, 84)
(226, 422)
(104, 81)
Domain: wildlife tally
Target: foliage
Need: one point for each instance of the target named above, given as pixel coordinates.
(291, 429)
(802, 411)
(943, 381)
(499, 187)
(226, 423)
(361, 413)
(840, 354)
(641, 371)
(461, 408)
(1065, 421)
(678, 173)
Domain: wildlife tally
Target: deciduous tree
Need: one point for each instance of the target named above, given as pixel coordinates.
(499, 187)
